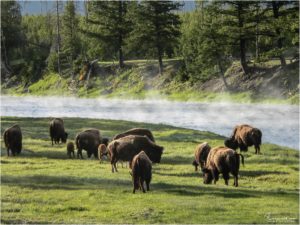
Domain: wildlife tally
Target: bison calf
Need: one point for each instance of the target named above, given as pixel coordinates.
(102, 151)
(13, 139)
(201, 153)
(141, 171)
(70, 149)
(222, 160)
(244, 136)
(57, 131)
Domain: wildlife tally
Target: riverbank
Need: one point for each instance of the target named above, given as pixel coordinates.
(140, 80)
(43, 186)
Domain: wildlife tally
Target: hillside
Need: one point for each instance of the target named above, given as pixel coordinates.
(43, 186)
(140, 79)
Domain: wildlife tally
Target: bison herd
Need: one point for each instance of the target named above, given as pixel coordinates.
(137, 146)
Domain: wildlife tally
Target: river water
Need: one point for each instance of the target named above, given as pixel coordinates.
(278, 123)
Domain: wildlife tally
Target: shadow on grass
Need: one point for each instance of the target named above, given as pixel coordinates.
(194, 174)
(248, 173)
(176, 160)
(46, 182)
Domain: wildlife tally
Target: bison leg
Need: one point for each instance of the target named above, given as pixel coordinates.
(79, 153)
(235, 181)
(257, 149)
(226, 178)
(8, 152)
(215, 174)
(142, 185)
(147, 184)
(52, 141)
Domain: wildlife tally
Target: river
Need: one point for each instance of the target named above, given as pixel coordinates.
(278, 123)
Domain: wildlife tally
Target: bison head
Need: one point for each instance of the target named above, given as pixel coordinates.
(155, 154)
(64, 138)
(105, 141)
(207, 176)
(231, 143)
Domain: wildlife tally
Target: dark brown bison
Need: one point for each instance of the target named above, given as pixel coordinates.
(222, 160)
(201, 153)
(88, 140)
(136, 131)
(13, 139)
(127, 147)
(57, 131)
(141, 171)
(244, 136)
(70, 149)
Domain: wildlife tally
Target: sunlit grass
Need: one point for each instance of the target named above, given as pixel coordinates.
(43, 186)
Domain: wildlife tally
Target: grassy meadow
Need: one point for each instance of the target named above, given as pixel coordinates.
(42, 185)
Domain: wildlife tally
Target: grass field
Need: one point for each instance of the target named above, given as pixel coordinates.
(43, 186)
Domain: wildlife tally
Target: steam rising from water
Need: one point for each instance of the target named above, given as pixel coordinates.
(278, 123)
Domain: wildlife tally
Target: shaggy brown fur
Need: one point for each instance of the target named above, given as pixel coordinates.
(102, 151)
(70, 149)
(13, 139)
(141, 171)
(222, 160)
(127, 147)
(244, 136)
(88, 140)
(57, 131)
(201, 153)
(136, 131)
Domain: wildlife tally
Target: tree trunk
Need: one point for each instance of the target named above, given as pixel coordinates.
(223, 76)
(160, 62)
(242, 40)
(58, 37)
(121, 58)
(275, 6)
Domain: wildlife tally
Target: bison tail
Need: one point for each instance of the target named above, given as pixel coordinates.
(242, 157)
(77, 142)
(195, 163)
(5, 137)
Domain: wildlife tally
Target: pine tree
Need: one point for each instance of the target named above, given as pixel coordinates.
(156, 26)
(107, 22)
(70, 39)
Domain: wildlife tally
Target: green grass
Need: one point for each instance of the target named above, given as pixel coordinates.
(43, 186)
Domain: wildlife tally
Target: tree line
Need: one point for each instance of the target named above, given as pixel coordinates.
(207, 39)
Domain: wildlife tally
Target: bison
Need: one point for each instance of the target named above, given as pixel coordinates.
(13, 139)
(70, 149)
(141, 171)
(136, 131)
(105, 141)
(88, 140)
(244, 136)
(102, 151)
(222, 160)
(57, 131)
(201, 153)
(127, 147)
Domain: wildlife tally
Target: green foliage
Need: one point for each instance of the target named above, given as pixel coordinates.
(43, 186)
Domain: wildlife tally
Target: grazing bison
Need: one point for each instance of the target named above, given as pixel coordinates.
(222, 160)
(70, 149)
(141, 171)
(88, 140)
(136, 131)
(105, 141)
(127, 147)
(57, 131)
(102, 151)
(244, 136)
(201, 153)
(13, 139)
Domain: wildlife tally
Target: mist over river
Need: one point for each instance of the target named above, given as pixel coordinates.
(278, 123)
